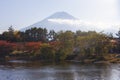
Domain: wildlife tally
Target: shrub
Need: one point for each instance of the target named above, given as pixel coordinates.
(6, 48)
(32, 46)
(47, 52)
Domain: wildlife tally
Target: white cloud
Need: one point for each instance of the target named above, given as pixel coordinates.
(98, 26)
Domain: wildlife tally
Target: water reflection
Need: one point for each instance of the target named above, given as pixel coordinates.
(52, 71)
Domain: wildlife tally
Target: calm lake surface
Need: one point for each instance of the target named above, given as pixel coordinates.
(22, 70)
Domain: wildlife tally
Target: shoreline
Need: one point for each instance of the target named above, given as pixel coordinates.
(86, 61)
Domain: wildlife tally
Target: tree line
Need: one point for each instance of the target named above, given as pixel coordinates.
(39, 43)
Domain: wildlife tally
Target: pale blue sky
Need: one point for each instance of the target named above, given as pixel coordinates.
(22, 13)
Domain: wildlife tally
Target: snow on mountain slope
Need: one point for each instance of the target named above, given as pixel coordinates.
(61, 15)
(64, 21)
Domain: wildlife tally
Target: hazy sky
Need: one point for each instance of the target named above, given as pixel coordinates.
(22, 13)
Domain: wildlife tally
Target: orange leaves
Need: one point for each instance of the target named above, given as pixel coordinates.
(55, 44)
(6, 48)
(6, 44)
(32, 46)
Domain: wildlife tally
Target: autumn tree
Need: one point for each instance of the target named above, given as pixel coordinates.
(66, 40)
(47, 52)
(93, 44)
(6, 48)
(8, 35)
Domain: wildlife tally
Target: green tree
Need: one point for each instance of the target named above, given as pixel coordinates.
(52, 35)
(47, 52)
(36, 34)
(118, 45)
(66, 40)
(8, 35)
(93, 44)
(118, 34)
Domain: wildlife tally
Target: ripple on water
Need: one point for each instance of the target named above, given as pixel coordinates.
(59, 72)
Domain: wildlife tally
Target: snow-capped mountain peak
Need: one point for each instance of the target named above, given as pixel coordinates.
(64, 21)
(61, 15)
(52, 22)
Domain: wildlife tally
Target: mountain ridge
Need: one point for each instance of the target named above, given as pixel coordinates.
(46, 23)
(64, 21)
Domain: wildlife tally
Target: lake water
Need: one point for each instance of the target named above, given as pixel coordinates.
(22, 70)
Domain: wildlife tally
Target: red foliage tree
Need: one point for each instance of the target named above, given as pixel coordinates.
(32, 46)
(55, 44)
(6, 48)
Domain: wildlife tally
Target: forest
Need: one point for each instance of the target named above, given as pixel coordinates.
(41, 44)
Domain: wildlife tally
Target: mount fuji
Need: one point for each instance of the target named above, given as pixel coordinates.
(64, 21)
